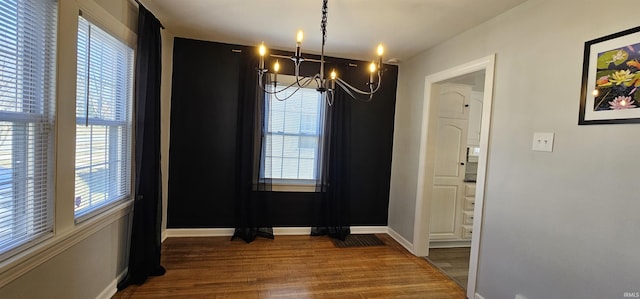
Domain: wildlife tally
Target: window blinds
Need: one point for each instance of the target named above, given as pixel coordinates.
(103, 119)
(293, 134)
(27, 82)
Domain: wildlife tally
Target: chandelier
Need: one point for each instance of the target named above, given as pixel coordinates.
(322, 83)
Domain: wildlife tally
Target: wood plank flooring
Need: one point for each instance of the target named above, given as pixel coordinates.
(291, 267)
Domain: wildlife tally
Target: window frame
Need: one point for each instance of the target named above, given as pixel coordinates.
(31, 126)
(126, 111)
(290, 184)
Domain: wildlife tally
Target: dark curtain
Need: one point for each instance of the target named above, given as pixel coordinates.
(144, 257)
(253, 192)
(332, 206)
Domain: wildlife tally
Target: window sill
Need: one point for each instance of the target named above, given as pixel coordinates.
(293, 188)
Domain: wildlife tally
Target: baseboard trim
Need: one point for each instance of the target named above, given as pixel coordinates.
(109, 291)
(163, 235)
(278, 231)
(449, 244)
(199, 232)
(401, 240)
(112, 288)
(358, 230)
(478, 296)
(291, 231)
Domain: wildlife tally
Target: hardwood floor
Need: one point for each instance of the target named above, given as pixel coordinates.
(452, 261)
(291, 267)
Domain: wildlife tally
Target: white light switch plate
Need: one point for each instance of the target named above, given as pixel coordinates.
(542, 142)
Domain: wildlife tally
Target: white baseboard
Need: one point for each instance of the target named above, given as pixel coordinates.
(109, 291)
(199, 232)
(401, 240)
(163, 235)
(291, 231)
(357, 230)
(278, 231)
(478, 296)
(449, 244)
(112, 288)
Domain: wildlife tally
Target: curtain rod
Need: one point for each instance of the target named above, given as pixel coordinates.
(137, 3)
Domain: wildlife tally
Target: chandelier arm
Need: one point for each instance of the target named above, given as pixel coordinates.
(371, 91)
(344, 84)
(329, 97)
(350, 91)
(275, 93)
(303, 85)
(306, 82)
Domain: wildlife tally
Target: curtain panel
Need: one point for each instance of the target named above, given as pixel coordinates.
(332, 208)
(144, 257)
(253, 218)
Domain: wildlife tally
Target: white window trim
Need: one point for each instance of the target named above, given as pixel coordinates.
(292, 185)
(105, 206)
(66, 232)
(97, 15)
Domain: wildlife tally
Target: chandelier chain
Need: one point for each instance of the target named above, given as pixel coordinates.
(323, 22)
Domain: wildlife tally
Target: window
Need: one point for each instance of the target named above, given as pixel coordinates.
(103, 119)
(292, 136)
(27, 83)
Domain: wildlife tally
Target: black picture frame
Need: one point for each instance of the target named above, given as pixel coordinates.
(610, 92)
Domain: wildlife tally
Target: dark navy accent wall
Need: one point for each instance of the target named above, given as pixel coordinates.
(202, 149)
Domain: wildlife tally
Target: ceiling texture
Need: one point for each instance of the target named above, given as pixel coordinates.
(354, 27)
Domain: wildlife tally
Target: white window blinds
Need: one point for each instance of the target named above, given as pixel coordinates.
(293, 134)
(103, 119)
(27, 82)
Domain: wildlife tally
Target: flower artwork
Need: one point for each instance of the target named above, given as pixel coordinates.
(610, 90)
(618, 79)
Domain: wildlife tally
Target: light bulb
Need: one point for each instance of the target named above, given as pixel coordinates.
(595, 92)
(372, 67)
(262, 50)
(276, 66)
(300, 36)
(380, 50)
(333, 74)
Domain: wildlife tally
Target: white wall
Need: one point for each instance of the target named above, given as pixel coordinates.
(81, 260)
(556, 225)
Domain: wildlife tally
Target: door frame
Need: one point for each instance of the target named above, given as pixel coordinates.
(426, 160)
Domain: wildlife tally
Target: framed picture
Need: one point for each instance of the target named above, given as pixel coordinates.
(611, 79)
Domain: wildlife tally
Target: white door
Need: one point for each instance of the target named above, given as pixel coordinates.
(450, 154)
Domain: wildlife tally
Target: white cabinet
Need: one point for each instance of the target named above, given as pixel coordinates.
(467, 210)
(452, 221)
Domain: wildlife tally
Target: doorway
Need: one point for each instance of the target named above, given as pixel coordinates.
(427, 166)
(459, 102)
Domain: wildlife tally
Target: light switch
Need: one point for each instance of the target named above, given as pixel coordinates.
(543, 142)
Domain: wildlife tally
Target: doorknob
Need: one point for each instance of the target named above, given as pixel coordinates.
(462, 163)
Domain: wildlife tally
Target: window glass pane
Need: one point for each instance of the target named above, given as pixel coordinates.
(27, 91)
(103, 114)
(293, 134)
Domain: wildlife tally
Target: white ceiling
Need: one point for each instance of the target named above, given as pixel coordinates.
(354, 28)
